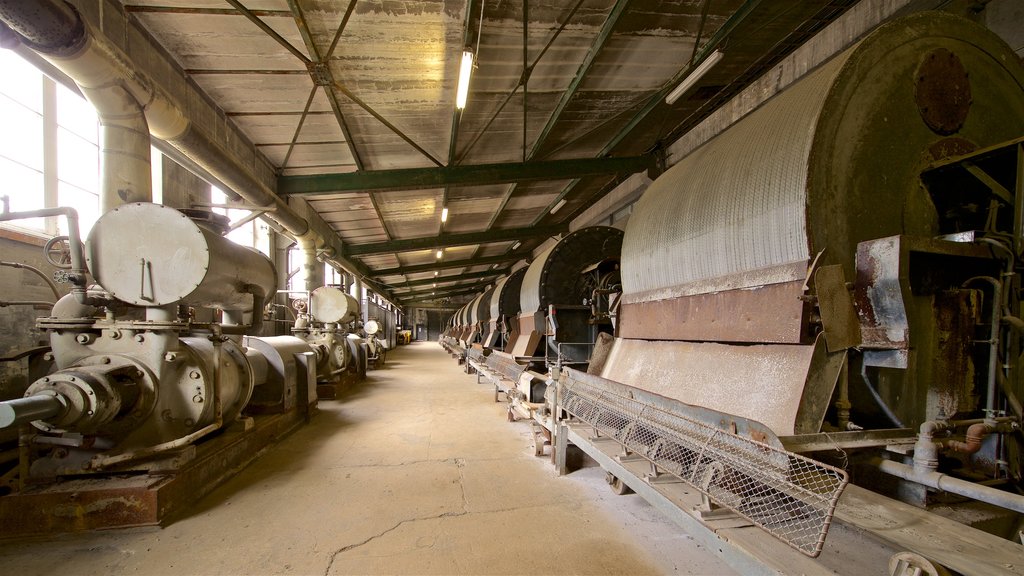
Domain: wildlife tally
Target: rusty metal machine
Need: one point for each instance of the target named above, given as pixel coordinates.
(327, 323)
(555, 320)
(148, 407)
(504, 305)
(828, 291)
(831, 288)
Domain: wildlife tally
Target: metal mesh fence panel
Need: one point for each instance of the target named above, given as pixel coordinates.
(788, 495)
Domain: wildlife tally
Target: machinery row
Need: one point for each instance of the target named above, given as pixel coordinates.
(160, 378)
(156, 384)
(810, 329)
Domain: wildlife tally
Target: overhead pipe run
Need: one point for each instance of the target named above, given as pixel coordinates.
(131, 107)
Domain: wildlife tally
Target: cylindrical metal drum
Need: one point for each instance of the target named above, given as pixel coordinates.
(473, 309)
(330, 304)
(832, 161)
(507, 295)
(483, 306)
(555, 277)
(151, 255)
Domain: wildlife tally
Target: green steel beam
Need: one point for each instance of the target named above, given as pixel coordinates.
(332, 98)
(656, 99)
(412, 303)
(475, 175)
(713, 43)
(436, 293)
(492, 274)
(449, 264)
(570, 92)
(449, 240)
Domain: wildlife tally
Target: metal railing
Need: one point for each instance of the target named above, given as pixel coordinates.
(789, 496)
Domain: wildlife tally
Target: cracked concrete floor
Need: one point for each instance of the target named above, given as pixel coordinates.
(415, 471)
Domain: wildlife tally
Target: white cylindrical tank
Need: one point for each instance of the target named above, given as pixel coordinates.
(329, 304)
(152, 255)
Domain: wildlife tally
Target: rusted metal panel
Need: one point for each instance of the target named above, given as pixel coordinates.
(835, 303)
(121, 501)
(942, 91)
(759, 382)
(822, 377)
(879, 296)
(531, 330)
(768, 314)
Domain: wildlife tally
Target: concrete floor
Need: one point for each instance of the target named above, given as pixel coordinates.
(415, 471)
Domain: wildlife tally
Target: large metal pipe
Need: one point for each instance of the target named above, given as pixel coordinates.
(25, 410)
(113, 84)
(58, 32)
(941, 481)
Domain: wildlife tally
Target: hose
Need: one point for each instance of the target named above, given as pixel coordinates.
(37, 272)
(878, 399)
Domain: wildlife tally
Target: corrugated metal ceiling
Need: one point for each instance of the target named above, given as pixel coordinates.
(329, 88)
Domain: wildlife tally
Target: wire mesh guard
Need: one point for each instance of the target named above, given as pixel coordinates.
(789, 496)
(475, 355)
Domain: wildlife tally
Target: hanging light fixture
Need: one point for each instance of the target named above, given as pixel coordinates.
(694, 76)
(465, 71)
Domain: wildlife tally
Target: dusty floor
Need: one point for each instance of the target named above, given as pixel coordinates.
(416, 471)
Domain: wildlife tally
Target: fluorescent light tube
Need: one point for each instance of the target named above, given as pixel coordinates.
(558, 206)
(694, 76)
(465, 71)
(444, 214)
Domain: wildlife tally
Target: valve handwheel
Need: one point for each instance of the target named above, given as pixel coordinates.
(58, 252)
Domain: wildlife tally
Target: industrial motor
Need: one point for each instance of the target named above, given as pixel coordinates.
(135, 376)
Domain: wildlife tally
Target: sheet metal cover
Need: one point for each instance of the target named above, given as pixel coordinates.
(509, 298)
(483, 306)
(762, 383)
(731, 214)
(555, 277)
(832, 161)
(473, 309)
(184, 262)
(330, 304)
(495, 300)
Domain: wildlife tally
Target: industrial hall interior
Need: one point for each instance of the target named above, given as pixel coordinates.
(512, 287)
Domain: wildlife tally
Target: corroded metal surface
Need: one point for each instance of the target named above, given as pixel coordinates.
(761, 382)
(835, 303)
(832, 161)
(90, 504)
(770, 313)
(943, 91)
